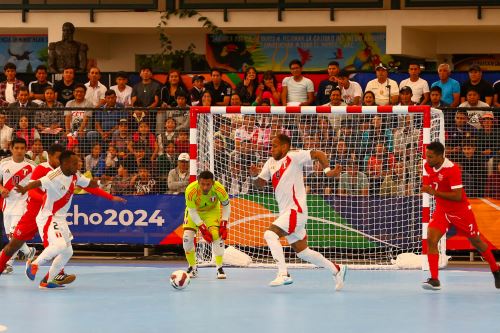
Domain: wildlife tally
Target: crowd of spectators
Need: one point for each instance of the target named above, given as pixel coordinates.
(144, 151)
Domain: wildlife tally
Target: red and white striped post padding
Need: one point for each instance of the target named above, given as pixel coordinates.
(387, 109)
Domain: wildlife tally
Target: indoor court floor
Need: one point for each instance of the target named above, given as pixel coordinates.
(121, 297)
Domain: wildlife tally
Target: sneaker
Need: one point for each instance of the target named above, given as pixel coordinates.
(220, 274)
(31, 254)
(431, 284)
(340, 277)
(8, 269)
(497, 279)
(31, 270)
(281, 280)
(50, 285)
(61, 278)
(192, 271)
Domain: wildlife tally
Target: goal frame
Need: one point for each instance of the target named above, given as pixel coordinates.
(335, 110)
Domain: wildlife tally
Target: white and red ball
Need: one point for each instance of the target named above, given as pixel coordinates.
(179, 279)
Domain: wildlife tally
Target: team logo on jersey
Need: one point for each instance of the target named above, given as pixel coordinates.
(212, 199)
(7, 171)
(63, 188)
(25, 171)
(440, 177)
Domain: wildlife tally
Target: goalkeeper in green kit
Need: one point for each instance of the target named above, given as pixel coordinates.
(205, 199)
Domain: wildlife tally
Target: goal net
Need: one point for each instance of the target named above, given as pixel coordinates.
(371, 215)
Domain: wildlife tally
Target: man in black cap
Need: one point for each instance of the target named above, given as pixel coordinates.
(385, 90)
(477, 82)
(405, 95)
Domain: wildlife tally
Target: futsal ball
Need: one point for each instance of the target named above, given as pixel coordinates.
(179, 279)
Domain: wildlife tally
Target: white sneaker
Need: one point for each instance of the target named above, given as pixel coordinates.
(8, 269)
(31, 254)
(281, 280)
(340, 277)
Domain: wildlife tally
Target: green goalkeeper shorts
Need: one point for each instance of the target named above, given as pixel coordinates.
(210, 218)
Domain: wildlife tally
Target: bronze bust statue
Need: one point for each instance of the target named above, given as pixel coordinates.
(67, 52)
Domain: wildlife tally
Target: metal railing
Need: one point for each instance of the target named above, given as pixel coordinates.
(78, 4)
(279, 4)
(451, 3)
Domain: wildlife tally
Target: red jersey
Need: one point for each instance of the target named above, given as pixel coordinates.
(446, 179)
(40, 171)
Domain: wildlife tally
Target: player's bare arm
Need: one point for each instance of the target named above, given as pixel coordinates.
(325, 164)
(4, 192)
(32, 185)
(454, 195)
(254, 173)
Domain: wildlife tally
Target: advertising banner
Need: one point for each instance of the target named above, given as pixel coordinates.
(353, 51)
(27, 52)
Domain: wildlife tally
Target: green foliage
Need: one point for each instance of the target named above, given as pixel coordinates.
(169, 57)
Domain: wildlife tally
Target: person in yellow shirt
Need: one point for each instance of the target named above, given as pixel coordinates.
(204, 199)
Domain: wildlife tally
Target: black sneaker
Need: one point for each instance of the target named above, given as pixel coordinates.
(192, 272)
(431, 284)
(497, 279)
(220, 274)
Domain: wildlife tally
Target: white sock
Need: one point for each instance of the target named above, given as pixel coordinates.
(59, 262)
(317, 259)
(218, 248)
(273, 241)
(25, 249)
(10, 262)
(48, 254)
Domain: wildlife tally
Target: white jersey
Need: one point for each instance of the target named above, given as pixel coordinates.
(12, 174)
(59, 191)
(288, 180)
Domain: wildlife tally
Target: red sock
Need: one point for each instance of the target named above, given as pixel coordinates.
(433, 264)
(3, 260)
(488, 256)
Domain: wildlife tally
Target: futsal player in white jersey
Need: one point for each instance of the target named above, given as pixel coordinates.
(15, 170)
(59, 186)
(285, 170)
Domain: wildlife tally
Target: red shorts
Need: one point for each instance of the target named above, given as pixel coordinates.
(26, 228)
(464, 221)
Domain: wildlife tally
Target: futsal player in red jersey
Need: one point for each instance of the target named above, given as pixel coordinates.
(452, 208)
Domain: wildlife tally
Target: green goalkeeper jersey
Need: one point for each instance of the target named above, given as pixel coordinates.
(195, 199)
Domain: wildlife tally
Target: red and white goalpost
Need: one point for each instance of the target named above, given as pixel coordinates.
(373, 218)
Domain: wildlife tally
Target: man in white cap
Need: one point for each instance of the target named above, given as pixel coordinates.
(178, 178)
(386, 90)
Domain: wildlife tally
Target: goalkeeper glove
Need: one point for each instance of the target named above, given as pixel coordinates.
(205, 233)
(223, 230)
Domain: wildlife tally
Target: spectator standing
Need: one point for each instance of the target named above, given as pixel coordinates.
(419, 86)
(95, 90)
(351, 91)
(122, 89)
(325, 87)
(385, 90)
(297, 89)
(247, 89)
(450, 88)
(477, 82)
(197, 90)
(147, 92)
(269, 89)
(37, 88)
(65, 87)
(10, 87)
(220, 89)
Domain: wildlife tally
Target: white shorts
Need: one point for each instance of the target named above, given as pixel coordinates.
(54, 230)
(10, 222)
(294, 224)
